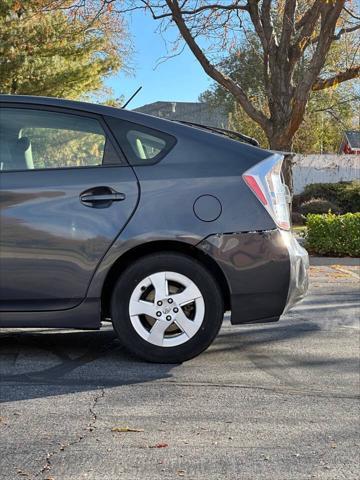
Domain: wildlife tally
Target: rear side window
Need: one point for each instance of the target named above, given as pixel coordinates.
(141, 145)
(39, 139)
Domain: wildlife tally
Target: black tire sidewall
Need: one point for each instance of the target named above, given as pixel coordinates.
(138, 271)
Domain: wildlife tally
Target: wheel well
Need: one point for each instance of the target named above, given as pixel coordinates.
(160, 246)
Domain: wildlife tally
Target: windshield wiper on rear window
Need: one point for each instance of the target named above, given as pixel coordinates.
(223, 131)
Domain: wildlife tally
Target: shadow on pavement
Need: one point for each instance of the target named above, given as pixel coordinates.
(53, 362)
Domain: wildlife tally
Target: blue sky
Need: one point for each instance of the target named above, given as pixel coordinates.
(179, 79)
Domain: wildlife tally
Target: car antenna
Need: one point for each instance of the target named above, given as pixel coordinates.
(132, 96)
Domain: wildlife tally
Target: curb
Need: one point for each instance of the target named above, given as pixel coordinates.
(323, 261)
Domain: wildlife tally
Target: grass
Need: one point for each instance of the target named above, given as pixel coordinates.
(299, 230)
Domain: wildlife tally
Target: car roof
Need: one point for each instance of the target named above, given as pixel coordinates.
(123, 114)
(169, 126)
(71, 104)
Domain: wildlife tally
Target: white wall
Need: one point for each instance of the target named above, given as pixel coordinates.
(324, 169)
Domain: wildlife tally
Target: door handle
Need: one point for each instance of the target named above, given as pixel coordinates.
(105, 197)
(101, 197)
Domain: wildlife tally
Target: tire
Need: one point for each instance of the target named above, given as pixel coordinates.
(188, 316)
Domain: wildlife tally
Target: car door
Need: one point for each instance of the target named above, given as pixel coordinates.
(65, 195)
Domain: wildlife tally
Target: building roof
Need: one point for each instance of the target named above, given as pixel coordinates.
(197, 112)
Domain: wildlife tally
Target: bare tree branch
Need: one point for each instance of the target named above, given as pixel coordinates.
(330, 13)
(307, 29)
(211, 70)
(343, 31)
(288, 27)
(255, 18)
(266, 20)
(308, 15)
(352, 14)
(212, 7)
(349, 74)
(352, 99)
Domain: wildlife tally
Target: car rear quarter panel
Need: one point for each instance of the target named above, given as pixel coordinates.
(199, 164)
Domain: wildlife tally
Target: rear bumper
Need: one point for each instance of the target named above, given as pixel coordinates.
(266, 272)
(299, 266)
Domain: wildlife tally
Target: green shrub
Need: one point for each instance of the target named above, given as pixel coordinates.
(318, 205)
(346, 195)
(330, 234)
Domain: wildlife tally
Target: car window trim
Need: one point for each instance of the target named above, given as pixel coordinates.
(82, 113)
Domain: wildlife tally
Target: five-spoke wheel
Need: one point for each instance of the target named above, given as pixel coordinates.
(167, 308)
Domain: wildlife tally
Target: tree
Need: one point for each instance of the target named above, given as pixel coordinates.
(328, 112)
(53, 53)
(295, 38)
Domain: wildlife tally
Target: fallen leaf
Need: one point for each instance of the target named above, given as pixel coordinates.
(159, 445)
(126, 429)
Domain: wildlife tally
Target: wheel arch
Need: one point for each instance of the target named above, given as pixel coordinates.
(139, 251)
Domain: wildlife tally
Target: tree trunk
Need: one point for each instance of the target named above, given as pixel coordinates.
(287, 171)
(281, 144)
(285, 146)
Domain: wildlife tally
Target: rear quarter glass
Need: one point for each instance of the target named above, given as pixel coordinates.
(140, 144)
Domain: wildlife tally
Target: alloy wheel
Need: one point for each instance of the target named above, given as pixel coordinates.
(166, 309)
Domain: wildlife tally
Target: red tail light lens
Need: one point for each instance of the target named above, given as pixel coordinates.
(265, 181)
(255, 187)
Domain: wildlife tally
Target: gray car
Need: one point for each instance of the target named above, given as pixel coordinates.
(157, 226)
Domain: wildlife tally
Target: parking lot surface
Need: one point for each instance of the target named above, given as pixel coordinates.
(276, 401)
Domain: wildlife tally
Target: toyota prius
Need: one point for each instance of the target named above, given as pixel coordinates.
(157, 226)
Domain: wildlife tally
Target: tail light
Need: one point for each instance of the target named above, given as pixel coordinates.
(265, 181)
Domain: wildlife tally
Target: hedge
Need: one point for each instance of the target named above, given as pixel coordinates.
(330, 234)
(318, 205)
(344, 195)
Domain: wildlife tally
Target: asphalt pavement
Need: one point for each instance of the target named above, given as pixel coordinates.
(277, 401)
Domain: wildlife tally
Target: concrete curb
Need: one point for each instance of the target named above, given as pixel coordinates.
(323, 261)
